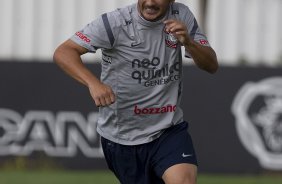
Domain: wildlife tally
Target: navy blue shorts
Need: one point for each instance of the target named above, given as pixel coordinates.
(146, 163)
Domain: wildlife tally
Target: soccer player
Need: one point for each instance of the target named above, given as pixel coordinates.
(143, 134)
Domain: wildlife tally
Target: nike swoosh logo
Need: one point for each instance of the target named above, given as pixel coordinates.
(135, 44)
(184, 155)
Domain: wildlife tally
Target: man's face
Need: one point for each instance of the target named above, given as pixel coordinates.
(153, 10)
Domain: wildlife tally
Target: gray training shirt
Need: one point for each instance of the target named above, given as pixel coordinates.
(143, 65)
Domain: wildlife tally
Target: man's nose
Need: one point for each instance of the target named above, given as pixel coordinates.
(150, 2)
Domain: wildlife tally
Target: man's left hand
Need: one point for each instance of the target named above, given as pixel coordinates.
(178, 29)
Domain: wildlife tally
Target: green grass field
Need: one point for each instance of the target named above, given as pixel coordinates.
(65, 177)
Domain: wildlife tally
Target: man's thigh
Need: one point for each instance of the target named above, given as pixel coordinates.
(181, 174)
(175, 152)
(130, 164)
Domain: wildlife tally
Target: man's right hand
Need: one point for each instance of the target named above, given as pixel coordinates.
(102, 94)
(67, 56)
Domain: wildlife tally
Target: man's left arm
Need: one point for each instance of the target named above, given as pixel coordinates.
(203, 56)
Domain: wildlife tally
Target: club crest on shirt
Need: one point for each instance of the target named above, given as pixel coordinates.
(170, 40)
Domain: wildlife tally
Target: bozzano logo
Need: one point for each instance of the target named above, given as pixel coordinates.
(154, 110)
(148, 71)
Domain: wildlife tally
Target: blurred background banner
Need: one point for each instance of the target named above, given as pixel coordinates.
(235, 116)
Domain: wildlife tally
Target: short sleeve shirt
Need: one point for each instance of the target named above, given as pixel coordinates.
(143, 65)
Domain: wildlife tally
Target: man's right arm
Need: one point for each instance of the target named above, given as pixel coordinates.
(67, 57)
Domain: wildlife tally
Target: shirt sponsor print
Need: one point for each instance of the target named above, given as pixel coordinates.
(204, 42)
(106, 58)
(148, 73)
(83, 37)
(154, 110)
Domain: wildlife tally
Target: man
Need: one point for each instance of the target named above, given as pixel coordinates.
(143, 134)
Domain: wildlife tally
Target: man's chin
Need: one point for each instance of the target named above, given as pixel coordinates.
(151, 17)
